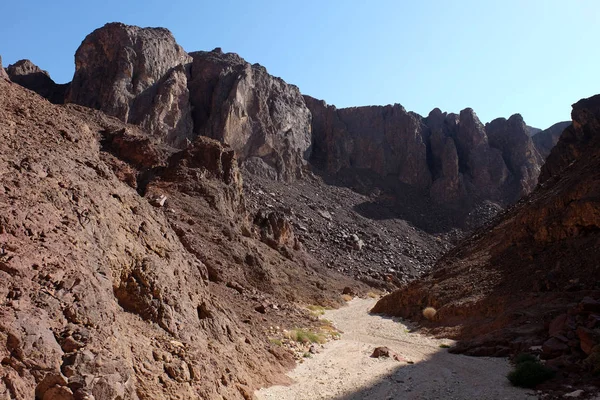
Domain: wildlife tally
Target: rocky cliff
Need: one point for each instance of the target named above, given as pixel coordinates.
(264, 119)
(3, 74)
(137, 75)
(546, 139)
(142, 76)
(529, 279)
(453, 158)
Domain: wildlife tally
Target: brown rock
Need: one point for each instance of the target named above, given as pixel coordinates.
(3, 74)
(558, 325)
(588, 339)
(30, 76)
(261, 117)
(545, 140)
(137, 75)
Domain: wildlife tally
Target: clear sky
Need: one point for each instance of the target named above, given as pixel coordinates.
(500, 57)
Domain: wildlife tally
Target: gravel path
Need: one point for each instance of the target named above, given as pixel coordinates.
(345, 370)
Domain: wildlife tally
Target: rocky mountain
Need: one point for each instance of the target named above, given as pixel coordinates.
(530, 278)
(454, 159)
(172, 213)
(142, 76)
(546, 140)
(132, 269)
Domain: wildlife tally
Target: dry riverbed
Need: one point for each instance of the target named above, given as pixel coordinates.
(345, 370)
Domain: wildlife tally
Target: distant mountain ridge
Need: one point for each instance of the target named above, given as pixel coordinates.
(142, 76)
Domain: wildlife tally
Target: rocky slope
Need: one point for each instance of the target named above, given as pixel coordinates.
(130, 269)
(546, 140)
(531, 278)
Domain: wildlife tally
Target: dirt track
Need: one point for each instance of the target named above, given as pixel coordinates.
(345, 370)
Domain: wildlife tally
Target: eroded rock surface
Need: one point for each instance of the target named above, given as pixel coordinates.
(137, 75)
(260, 116)
(29, 75)
(455, 159)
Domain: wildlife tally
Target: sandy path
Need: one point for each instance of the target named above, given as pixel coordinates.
(344, 369)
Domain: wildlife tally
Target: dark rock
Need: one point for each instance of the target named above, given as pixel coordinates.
(590, 305)
(30, 76)
(545, 140)
(3, 74)
(558, 325)
(275, 229)
(553, 347)
(137, 75)
(382, 352)
(260, 116)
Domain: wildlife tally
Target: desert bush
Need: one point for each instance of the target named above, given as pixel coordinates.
(429, 313)
(316, 310)
(524, 357)
(529, 374)
(304, 336)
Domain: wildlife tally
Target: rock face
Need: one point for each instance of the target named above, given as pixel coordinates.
(29, 75)
(546, 140)
(541, 256)
(3, 74)
(107, 293)
(453, 157)
(137, 75)
(142, 76)
(261, 117)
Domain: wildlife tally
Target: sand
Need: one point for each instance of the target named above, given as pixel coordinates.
(344, 369)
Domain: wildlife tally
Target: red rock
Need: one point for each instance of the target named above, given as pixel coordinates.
(557, 326)
(588, 339)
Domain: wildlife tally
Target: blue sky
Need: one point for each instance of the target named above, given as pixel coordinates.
(500, 57)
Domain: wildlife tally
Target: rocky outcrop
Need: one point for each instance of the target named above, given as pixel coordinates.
(137, 75)
(513, 285)
(386, 140)
(142, 76)
(455, 158)
(545, 140)
(32, 77)
(260, 116)
(3, 74)
(575, 138)
(519, 153)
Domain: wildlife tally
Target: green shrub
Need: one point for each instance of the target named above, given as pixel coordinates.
(528, 374)
(444, 346)
(304, 336)
(524, 357)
